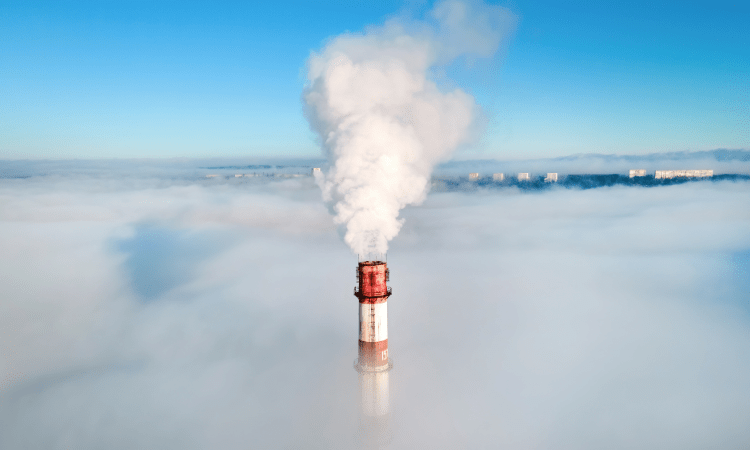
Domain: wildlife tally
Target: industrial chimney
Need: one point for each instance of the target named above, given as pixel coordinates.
(373, 363)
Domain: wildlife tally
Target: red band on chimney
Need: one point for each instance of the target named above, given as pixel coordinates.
(373, 353)
(372, 277)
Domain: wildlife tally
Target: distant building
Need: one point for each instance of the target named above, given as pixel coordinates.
(666, 174)
(498, 176)
(523, 176)
(315, 169)
(474, 176)
(212, 175)
(237, 175)
(551, 177)
(637, 173)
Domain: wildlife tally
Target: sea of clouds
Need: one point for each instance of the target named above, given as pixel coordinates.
(144, 308)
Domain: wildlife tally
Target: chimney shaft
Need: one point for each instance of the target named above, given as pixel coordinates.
(373, 292)
(373, 364)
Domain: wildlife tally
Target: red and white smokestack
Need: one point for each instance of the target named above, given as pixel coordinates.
(373, 364)
(373, 292)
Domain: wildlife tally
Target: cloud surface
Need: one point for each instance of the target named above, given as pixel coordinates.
(160, 312)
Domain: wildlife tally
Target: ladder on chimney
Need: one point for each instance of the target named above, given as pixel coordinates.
(372, 321)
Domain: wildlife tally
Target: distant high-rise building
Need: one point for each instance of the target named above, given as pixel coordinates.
(551, 177)
(498, 176)
(665, 174)
(523, 176)
(637, 173)
(474, 176)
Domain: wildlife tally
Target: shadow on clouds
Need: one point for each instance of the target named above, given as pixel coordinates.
(161, 258)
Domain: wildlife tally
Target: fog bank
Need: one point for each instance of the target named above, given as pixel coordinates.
(156, 313)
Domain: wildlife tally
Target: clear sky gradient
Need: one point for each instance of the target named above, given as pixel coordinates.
(132, 79)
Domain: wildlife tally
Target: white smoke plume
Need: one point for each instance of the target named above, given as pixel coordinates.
(383, 123)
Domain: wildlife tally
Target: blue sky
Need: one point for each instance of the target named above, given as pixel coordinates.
(185, 79)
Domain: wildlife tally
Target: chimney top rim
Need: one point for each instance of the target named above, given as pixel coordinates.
(372, 263)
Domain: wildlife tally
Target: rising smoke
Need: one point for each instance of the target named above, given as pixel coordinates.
(383, 123)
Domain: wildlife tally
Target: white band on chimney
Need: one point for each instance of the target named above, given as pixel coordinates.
(373, 322)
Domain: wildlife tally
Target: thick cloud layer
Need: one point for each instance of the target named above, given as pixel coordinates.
(148, 313)
(384, 123)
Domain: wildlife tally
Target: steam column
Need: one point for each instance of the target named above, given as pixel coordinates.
(373, 363)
